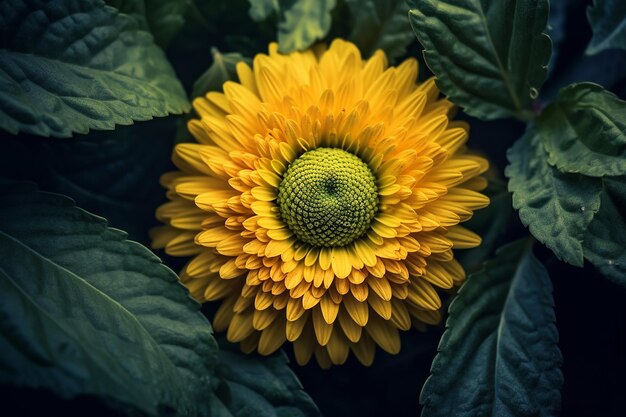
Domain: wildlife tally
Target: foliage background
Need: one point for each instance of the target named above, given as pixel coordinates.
(115, 174)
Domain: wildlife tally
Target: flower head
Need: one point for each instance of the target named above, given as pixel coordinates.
(322, 203)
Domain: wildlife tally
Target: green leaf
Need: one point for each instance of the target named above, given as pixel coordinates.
(112, 173)
(81, 244)
(69, 66)
(490, 57)
(608, 22)
(260, 386)
(164, 18)
(223, 68)
(499, 354)
(585, 131)
(380, 24)
(605, 240)
(59, 332)
(262, 9)
(557, 207)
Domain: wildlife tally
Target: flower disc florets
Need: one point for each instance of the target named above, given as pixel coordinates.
(328, 197)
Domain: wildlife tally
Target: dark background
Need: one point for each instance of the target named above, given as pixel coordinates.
(122, 185)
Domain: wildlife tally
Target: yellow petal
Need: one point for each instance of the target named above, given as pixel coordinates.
(380, 306)
(272, 337)
(350, 328)
(294, 328)
(381, 287)
(337, 348)
(423, 295)
(463, 238)
(364, 350)
(329, 309)
(263, 318)
(357, 310)
(240, 327)
(341, 262)
(384, 333)
(323, 330)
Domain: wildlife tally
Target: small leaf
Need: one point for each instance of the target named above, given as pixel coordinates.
(489, 57)
(261, 386)
(380, 24)
(302, 22)
(605, 240)
(555, 206)
(81, 244)
(499, 355)
(585, 131)
(223, 68)
(68, 66)
(608, 22)
(163, 18)
(262, 9)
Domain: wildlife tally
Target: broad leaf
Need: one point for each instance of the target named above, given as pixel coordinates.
(112, 173)
(608, 22)
(71, 239)
(490, 57)
(585, 131)
(499, 355)
(605, 240)
(69, 66)
(163, 18)
(260, 386)
(380, 24)
(223, 68)
(555, 206)
(59, 332)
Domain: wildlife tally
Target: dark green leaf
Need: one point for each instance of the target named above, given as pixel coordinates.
(260, 386)
(223, 68)
(555, 206)
(69, 66)
(608, 22)
(380, 24)
(490, 57)
(59, 332)
(605, 240)
(585, 131)
(163, 18)
(262, 9)
(82, 244)
(499, 355)
(112, 173)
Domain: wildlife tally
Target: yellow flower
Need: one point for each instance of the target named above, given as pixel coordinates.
(322, 203)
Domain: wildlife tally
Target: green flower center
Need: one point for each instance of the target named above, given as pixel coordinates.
(328, 197)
